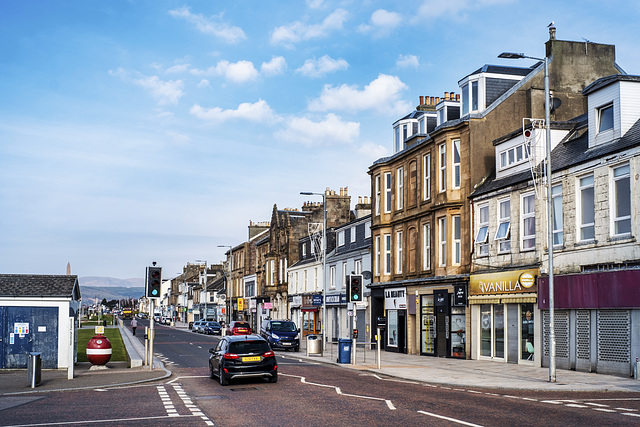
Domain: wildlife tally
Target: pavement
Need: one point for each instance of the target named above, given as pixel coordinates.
(481, 374)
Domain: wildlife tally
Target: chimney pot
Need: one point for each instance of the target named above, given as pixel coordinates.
(446, 95)
(421, 100)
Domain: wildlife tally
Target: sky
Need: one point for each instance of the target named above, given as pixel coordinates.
(140, 131)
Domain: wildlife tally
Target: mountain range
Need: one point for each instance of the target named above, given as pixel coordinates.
(94, 288)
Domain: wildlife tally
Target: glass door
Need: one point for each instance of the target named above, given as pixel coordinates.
(428, 326)
(526, 332)
(492, 331)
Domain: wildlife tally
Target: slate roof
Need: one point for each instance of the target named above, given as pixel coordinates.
(571, 151)
(605, 81)
(29, 286)
(501, 69)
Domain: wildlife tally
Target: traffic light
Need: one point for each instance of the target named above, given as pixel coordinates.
(355, 287)
(154, 279)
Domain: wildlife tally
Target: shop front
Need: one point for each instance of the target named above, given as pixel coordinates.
(395, 306)
(310, 314)
(443, 321)
(337, 316)
(505, 316)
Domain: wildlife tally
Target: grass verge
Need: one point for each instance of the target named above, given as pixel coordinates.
(119, 353)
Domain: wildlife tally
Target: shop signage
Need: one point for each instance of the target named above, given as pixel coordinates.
(317, 300)
(338, 299)
(459, 295)
(395, 299)
(506, 282)
(268, 305)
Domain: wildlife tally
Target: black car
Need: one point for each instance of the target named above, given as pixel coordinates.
(212, 328)
(239, 356)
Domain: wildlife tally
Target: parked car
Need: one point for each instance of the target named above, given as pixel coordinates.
(197, 325)
(238, 328)
(242, 356)
(281, 334)
(212, 328)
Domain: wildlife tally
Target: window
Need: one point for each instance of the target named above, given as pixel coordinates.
(426, 191)
(605, 118)
(344, 274)
(556, 200)
(332, 277)
(357, 266)
(426, 246)
(399, 252)
(377, 194)
(513, 156)
(422, 126)
(387, 253)
(528, 222)
(586, 216)
(504, 225)
(400, 188)
(367, 229)
(304, 250)
(377, 252)
(397, 138)
(443, 167)
(341, 238)
(474, 96)
(456, 163)
(465, 99)
(352, 234)
(387, 192)
(442, 223)
(483, 230)
(621, 200)
(405, 133)
(456, 240)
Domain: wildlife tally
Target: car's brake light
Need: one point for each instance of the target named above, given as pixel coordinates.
(230, 356)
(269, 354)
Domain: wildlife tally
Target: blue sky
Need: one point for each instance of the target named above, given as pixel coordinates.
(155, 130)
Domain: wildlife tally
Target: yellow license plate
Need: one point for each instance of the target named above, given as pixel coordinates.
(251, 359)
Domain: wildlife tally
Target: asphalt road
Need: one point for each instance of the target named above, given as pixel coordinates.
(307, 393)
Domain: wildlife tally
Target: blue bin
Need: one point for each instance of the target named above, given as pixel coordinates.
(344, 350)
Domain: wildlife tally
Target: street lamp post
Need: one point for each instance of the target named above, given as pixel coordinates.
(205, 287)
(547, 124)
(230, 281)
(324, 258)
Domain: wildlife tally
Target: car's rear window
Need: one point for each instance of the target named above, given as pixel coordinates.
(249, 347)
(241, 325)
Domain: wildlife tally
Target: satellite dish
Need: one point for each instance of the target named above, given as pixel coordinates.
(367, 275)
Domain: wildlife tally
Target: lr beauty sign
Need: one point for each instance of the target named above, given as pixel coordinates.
(506, 282)
(395, 299)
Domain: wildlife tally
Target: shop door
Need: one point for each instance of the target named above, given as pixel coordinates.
(427, 327)
(441, 334)
(44, 335)
(401, 330)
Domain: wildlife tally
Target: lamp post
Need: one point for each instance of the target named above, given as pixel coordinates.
(547, 124)
(324, 257)
(230, 281)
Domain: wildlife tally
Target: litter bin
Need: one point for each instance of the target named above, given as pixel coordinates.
(34, 369)
(314, 344)
(344, 350)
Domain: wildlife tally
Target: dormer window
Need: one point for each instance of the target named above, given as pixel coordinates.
(605, 118)
(514, 155)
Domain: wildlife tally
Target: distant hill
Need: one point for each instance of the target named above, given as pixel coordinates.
(94, 287)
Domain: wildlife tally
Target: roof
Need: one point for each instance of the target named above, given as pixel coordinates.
(28, 285)
(606, 81)
(501, 69)
(572, 150)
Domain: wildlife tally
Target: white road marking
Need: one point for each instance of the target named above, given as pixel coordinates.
(339, 391)
(603, 409)
(105, 421)
(442, 417)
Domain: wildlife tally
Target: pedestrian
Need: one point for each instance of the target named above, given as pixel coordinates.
(134, 325)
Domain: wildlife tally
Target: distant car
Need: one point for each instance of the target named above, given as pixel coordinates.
(212, 328)
(242, 356)
(238, 328)
(197, 325)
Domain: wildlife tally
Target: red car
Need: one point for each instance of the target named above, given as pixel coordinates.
(238, 328)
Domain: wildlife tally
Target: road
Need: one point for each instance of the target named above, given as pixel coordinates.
(308, 393)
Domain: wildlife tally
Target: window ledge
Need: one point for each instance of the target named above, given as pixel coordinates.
(621, 239)
(586, 243)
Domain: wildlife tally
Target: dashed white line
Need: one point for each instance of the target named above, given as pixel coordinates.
(454, 420)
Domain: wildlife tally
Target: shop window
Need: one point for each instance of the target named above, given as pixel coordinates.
(427, 326)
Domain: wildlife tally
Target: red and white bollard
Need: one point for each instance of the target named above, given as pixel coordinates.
(99, 350)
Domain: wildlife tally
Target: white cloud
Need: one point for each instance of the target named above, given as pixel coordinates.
(288, 35)
(256, 112)
(227, 32)
(178, 68)
(238, 72)
(373, 151)
(431, 9)
(315, 4)
(408, 61)
(382, 94)
(204, 83)
(382, 23)
(320, 67)
(331, 131)
(178, 138)
(277, 65)
(164, 92)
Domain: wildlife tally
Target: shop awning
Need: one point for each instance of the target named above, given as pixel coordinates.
(504, 299)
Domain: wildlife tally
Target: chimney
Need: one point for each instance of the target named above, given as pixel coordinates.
(421, 100)
(552, 31)
(446, 96)
(457, 97)
(432, 100)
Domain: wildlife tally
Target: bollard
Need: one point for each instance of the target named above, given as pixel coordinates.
(635, 370)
